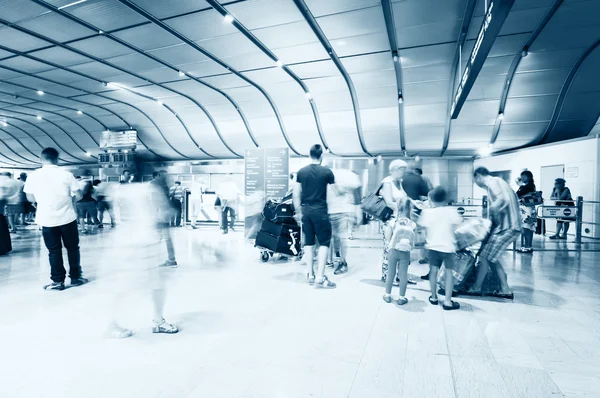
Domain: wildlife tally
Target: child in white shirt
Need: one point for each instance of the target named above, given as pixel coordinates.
(440, 222)
(400, 245)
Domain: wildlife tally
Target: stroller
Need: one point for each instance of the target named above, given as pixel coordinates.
(279, 233)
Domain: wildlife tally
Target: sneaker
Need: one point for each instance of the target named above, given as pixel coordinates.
(164, 327)
(423, 261)
(325, 284)
(55, 286)
(387, 298)
(224, 232)
(169, 263)
(425, 277)
(329, 264)
(311, 279)
(411, 281)
(402, 301)
(117, 332)
(101, 226)
(341, 269)
(79, 281)
(553, 237)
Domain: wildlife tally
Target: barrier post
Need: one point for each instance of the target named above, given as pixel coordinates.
(484, 205)
(579, 220)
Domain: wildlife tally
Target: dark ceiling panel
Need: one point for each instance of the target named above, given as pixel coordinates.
(17, 10)
(20, 41)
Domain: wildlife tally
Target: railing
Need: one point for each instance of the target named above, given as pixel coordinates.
(571, 213)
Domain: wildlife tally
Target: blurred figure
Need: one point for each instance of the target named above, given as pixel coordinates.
(310, 203)
(343, 214)
(137, 252)
(176, 193)
(528, 213)
(126, 177)
(562, 195)
(12, 193)
(28, 208)
(414, 184)
(53, 189)
(87, 208)
(164, 213)
(103, 191)
(506, 226)
(419, 171)
(254, 205)
(229, 194)
(196, 203)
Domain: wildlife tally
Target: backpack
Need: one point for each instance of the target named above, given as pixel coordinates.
(278, 213)
(403, 238)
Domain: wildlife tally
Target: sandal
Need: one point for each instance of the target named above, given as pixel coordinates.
(164, 327)
(432, 301)
(402, 301)
(454, 306)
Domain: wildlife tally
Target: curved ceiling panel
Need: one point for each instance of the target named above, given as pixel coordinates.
(196, 86)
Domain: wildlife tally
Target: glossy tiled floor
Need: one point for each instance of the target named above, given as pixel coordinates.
(250, 329)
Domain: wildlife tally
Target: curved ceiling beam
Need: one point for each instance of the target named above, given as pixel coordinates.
(314, 25)
(10, 117)
(83, 91)
(564, 91)
(27, 161)
(388, 15)
(52, 123)
(156, 59)
(201, 50)
(515, 64)
(106, 63)
(35, 155)
(464, 30)
(261, 46)
(44, 111)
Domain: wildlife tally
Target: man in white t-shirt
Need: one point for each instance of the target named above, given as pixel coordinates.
(53, 189)
(14, 206)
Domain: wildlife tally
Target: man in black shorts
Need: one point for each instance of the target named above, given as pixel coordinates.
(310, 202)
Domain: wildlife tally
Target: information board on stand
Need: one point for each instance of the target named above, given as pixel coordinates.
(266, 177)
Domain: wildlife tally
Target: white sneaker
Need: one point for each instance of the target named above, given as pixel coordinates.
(117, 332)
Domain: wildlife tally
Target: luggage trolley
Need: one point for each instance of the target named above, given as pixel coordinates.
(279, 233)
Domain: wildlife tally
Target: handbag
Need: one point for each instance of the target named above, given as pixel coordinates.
(375, 206)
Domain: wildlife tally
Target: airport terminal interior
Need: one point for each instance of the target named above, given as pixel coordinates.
(299, 198)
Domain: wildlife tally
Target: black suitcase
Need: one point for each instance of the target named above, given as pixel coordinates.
(279, 213)
(289, 245)
(271, 228)
(5, 242)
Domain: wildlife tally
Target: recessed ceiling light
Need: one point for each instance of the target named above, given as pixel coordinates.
(182, 74)
(100, 32)
(308, 95)
(501, 116)
(485, 151)
(159, 102)
(71, 4)
(40, 92)
(4, 124)
(395, 58)
(228, 18)
(279, 63)
(79, 112)
(39, 117)
(89, 154)
(126, 151)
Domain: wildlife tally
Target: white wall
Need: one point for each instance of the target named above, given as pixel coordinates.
(582, 154)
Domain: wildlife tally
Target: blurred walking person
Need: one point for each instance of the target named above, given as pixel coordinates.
(562, 195)
(164, 212)
(505, 215)
(103, 191)
(135, 259)
(53, 189)
(87, 208)
(14, 207)
(229, 194)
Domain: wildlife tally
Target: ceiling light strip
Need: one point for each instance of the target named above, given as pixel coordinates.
(517, 60)
(314, 25)
(278, 63)
(201, 50)
(456, 65)
(391, 32)
(564, 91)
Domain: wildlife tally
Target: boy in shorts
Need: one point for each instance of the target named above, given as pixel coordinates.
(440, 222)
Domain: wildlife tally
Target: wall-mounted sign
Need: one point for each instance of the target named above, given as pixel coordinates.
(114, 140)
(559, 212)
(572, 172)
(469, 211)
(494, 19)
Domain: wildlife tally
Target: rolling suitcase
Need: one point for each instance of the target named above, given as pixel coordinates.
(287, 244)
(5, 242)
(271, 228)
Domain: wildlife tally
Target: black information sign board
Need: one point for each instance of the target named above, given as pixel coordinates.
(494, 19)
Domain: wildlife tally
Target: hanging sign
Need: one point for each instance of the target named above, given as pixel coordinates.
(494, 19)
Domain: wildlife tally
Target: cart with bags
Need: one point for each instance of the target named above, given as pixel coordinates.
(279, 232)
